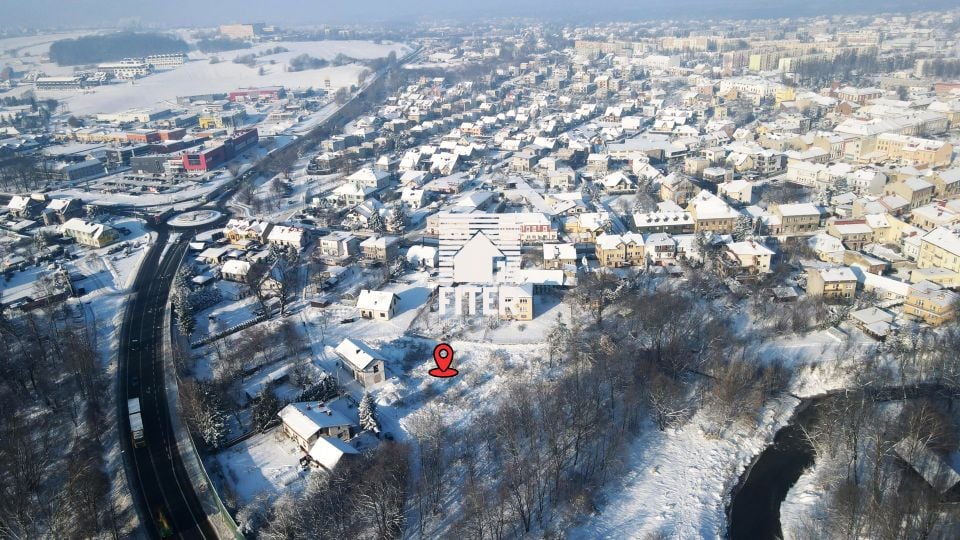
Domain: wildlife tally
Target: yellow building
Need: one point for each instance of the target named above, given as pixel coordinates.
(794, 219)
(832, 283)
(785, 94)
(615, 251)
(915, 150)
(930, 303)
(940, 248)
(516, 302)
(711, 214)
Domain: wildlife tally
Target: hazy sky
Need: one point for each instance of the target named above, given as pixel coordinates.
(44, 13)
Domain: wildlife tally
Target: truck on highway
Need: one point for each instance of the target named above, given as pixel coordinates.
(136, 423)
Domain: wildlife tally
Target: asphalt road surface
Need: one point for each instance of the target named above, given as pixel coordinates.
(156, 474)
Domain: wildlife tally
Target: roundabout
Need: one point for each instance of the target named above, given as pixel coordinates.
(196, 218)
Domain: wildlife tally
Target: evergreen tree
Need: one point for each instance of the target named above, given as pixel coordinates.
(742, 228)
(376, 223)
(367, 411)
(397, 219)
(212, 424)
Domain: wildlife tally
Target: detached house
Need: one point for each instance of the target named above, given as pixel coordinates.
(931, 303)
(242, 231)
(380, 248)
(369, 177)
(363, 362)
(306, 422)
(91, 234)
(62, 210)
(832, 283)
(287, 236)
(615, 250)
(379, 305)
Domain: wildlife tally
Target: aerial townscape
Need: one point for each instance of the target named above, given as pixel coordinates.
(480, 272)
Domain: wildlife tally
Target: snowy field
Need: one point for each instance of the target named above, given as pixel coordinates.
(199, 76)
(264, 464)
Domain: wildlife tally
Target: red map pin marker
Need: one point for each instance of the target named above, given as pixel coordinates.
(443, 356)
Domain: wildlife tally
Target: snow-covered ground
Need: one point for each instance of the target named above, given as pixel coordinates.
(267, 463)
(678, 480)
(199, 76)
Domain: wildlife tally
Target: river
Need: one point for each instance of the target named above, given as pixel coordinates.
(754, 510)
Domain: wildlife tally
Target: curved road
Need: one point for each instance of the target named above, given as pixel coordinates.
(156, 472)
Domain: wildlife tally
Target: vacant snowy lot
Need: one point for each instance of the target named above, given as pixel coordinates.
(199, 76)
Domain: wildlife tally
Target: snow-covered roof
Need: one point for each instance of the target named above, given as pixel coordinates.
(375, 300)
(282, 233)
(749, 248)
(235, 267)
(943, 239)
(328, 451)
(307, 418)
(85, 227)
(563, 252)
(357, 353)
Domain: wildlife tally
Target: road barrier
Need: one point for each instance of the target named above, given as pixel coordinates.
(204, 487)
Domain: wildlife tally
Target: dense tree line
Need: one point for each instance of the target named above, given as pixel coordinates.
(110, 47)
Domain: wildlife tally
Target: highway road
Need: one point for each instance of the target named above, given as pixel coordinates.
(156, 473)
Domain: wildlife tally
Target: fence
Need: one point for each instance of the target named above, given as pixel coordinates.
(224, 333)
(206, 492)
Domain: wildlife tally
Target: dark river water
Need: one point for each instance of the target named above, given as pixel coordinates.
(754, 510)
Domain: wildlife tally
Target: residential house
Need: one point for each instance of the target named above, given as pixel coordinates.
(946, 183)
(940, 248)
(853, 233)
(62, 210)
(751, 256)
(794, 219)
(380, 248)
(287, 236)
(370, 177)
(378, 305)
(307, 421)
(586, 226)
(677, 188)
(661, 248)
(556, 256)
(339, 245)
(516, 302)
(423, 256)
(916, 191)
(350, 194)
(364, 363)
(615, 250)
(618, 182)
(711, 214)
(839, 283)
(736, 190)
(664, 222)
(243, 231)
(88, 233)
(931, 303)
(25, 207)
(235, 270)
(328, 452)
